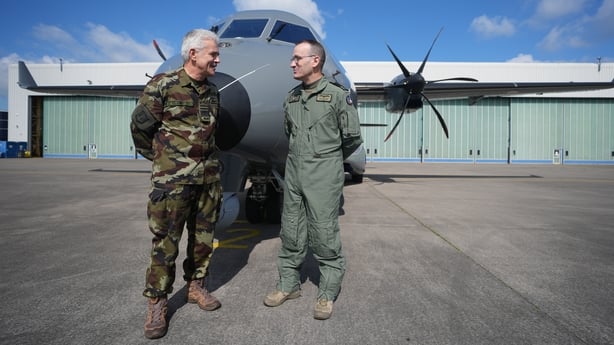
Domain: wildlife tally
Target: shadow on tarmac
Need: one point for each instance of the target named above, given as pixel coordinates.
(390, 178)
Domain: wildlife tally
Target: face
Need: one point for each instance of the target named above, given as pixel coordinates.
(206, 59)
(303, 62)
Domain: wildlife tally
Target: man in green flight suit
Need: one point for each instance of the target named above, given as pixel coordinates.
(323, 129)
(173, 125)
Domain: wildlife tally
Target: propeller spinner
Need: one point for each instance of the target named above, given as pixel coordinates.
(413, 84)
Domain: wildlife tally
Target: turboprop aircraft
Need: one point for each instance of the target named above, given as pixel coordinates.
(254, 78)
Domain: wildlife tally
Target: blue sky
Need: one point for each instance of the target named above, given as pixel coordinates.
(355, 30)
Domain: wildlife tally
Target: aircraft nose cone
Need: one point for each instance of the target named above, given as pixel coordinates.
(235, 111)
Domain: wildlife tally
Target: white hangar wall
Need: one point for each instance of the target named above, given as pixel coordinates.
(563, 128)
(523, 129)
(65, 75)
(376, 72)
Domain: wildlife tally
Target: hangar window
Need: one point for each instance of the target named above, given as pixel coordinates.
(245, 28)
(292, 33)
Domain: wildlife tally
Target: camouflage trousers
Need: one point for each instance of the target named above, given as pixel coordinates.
(170, 207)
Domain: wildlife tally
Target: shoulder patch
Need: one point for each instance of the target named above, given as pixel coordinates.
(324, 98)
(294, 95)
(348, 100)
(293, 98)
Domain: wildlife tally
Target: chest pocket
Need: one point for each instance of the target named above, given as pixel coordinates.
(177, 108)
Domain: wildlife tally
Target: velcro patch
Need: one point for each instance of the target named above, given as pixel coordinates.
(324, 98)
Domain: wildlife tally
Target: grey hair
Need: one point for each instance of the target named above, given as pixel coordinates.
(195, 40)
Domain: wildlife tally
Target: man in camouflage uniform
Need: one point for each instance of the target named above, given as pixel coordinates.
(173, 125)
(323, 129)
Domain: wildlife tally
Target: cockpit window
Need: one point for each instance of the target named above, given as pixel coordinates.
(215, 28)
(292, 33)
(246, 28)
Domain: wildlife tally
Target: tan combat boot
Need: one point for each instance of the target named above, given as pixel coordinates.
(156, 325)
(323, 309)
(198, 294)
(276, 298)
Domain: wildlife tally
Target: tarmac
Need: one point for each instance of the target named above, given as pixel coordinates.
(436, 254)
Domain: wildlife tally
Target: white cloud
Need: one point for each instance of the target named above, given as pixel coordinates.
(117, 47)
(522, 58)
(97, 44)
(53, 35)
(492, 26)
(603, 18)
(560, 37)
(550, 9)
(306, 9)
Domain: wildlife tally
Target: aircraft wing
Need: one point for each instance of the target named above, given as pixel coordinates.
(26, 81)
(477, 90)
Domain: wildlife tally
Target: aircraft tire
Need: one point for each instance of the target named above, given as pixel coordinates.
(273, 206)
(254, 210)
(357, 178)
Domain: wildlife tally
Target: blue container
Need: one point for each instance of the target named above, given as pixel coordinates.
(2, 149)
(15, 149)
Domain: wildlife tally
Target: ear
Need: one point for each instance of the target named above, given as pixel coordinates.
(315, 61)
(192, 53)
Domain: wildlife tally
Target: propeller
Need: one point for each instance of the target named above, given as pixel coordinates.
(159, 50)
(414, 83)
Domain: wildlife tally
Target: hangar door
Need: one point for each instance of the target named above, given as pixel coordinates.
(478, 133)
(87, 127)
(559, 131)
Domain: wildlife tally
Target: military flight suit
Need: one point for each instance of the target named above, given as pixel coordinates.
(323, 129)
(174, 126)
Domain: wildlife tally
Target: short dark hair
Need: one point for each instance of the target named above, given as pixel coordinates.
(316, 49)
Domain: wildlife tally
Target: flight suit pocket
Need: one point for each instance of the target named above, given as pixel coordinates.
(325, 136)
(289, 230)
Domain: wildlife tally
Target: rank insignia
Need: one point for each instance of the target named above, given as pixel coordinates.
(324, 98)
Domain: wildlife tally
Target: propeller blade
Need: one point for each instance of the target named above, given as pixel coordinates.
(395, 126)
(405, 71)
(159, 50)
(398, 121)
(456, 78)
(429, 52)
(441, 121)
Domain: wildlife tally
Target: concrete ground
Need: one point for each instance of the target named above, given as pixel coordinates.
(437, 254)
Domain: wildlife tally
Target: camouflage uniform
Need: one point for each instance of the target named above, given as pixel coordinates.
(186, 186)
(323, 129)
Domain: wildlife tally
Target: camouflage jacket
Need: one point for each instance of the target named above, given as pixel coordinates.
(181, 145)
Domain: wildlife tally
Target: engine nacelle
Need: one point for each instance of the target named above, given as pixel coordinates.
(396, 99)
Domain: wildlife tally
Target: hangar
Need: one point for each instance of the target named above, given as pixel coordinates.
(561, 128)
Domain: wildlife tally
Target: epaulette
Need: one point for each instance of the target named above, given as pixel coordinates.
(334, 82)
(296, 88)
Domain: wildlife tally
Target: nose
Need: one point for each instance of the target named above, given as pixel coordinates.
(235, 111)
